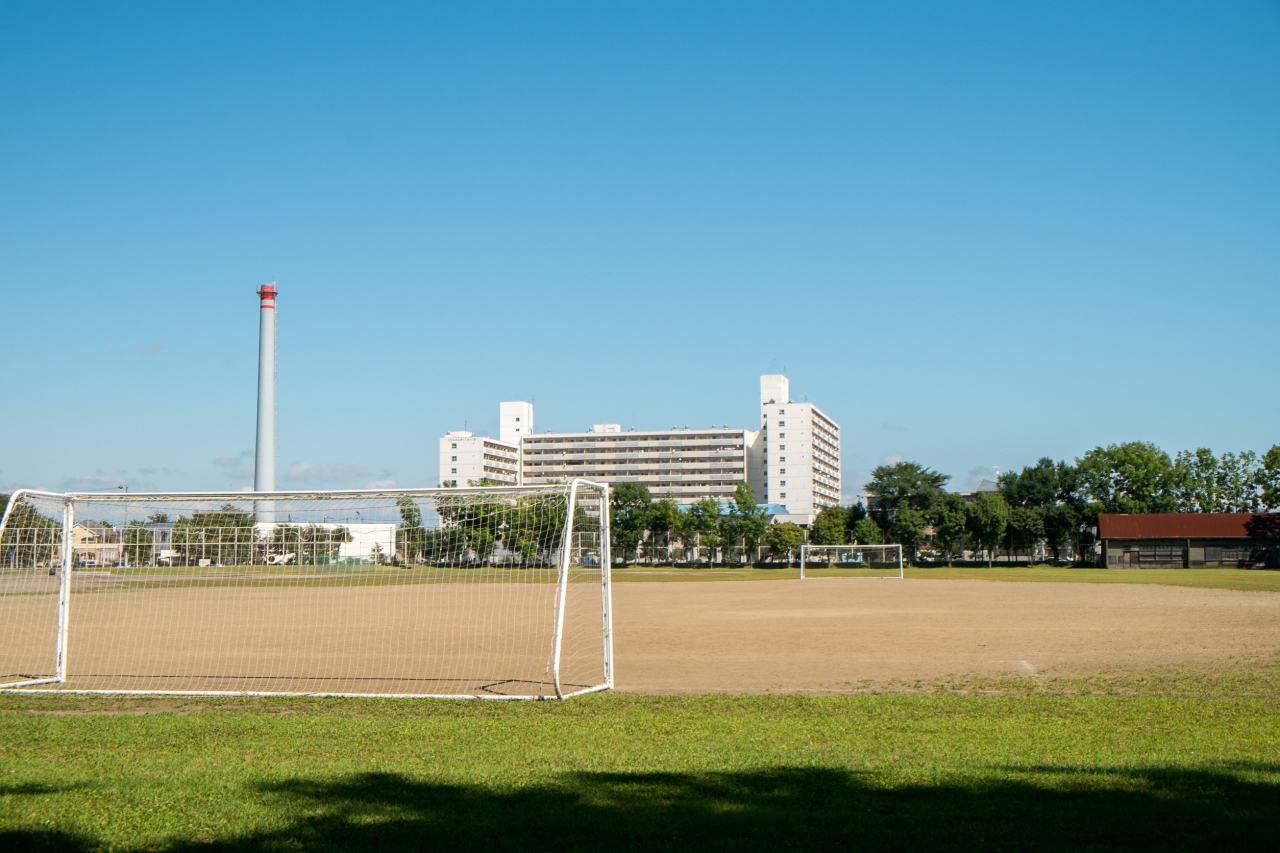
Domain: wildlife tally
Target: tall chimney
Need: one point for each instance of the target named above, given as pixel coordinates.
(264, 465)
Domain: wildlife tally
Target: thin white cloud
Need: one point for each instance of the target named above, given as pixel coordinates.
(893, 459)
(325, 472)
(387, 483)
(236, 467)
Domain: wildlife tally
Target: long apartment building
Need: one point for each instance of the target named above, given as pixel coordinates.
(792, 461)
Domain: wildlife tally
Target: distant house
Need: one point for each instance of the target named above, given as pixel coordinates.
(1190, 540)
(95, 544)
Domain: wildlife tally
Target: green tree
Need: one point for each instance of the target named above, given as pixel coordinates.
(664, 519)
(1204, 482)
(904, 484)
(907, 530)
(867, 532)
(30, 539)
(948, 518)
(310, 544)
(1025, 529)
(1269, 477)
(1060, 522)
(703, 520)
(986, 519)
(225, 536)
(136, 541)
(410, 534)
(1035, 486)
(629, 510)
(748, 520)
(783, 539)
(1136, 477)
(829, 526)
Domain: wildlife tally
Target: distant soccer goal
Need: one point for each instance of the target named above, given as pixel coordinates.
(483, 592)
(850, 561)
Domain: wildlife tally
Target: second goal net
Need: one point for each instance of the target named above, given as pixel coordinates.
(480, 592)
(850, 561)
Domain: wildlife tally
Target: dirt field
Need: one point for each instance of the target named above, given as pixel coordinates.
(837, 635)
(714, 636)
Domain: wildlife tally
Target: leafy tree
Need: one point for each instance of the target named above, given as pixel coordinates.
(986, 519)
(1035, 486)
(30, 539)
(1207, 483)
(904, 484)
(410, 535)
(225, 536)
(309, 543)
(1136, 477)
(1060, 521)
(1025, 529)
(137, 541)
(783, 539)
(1269, 477)
(703, 520)
(748, 520)
(908, 530)
(629, 510)
(867, 532)
(829, 526)
(664, 519)
(948, 518)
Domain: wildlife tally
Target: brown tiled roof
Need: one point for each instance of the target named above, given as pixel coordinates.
(1190, 525)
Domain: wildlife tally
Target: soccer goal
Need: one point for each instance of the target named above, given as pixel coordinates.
(454, 593)
(850, 561)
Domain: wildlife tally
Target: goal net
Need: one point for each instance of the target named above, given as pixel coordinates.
(850, 561)
(480, 592)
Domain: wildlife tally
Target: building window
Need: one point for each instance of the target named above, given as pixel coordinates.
(454, 459)
(453, 470)
(782, 459)
(782, 482)
(782, 423)
(782, 470)
(454, 446)
(782, 435)
(782, 447)
(783, 496)
(782, 411)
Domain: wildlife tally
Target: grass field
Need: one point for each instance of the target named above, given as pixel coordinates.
(1168, 760)
(1244, 579)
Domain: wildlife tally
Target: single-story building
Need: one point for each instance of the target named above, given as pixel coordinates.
(1237, 540)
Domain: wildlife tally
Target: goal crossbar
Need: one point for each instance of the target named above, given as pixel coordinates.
(489, 592)
(861, 558)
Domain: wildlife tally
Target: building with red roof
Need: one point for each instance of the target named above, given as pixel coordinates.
(1245, 540)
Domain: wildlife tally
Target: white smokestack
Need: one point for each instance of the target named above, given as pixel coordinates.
(264, 466)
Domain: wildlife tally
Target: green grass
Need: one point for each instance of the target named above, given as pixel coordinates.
(1164, 760)
(1263, 580)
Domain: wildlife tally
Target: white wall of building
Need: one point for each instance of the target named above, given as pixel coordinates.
(515, 420)
(466, 457)
(801, 451)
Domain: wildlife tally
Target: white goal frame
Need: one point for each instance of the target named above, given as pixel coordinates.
(563, 556)
(806, 550)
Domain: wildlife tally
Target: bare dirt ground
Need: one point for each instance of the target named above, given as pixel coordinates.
(842, 635)
(713, 636)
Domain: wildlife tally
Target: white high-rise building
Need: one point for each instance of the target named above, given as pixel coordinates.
(801, 452)
(467, 458)
(515, 420)
(792, 461)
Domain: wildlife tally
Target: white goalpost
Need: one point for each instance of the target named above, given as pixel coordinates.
(498, 593)
(852, 561)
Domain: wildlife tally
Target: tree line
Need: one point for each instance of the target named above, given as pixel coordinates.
(1054, 505)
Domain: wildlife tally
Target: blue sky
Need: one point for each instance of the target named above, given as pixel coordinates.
(975, 234)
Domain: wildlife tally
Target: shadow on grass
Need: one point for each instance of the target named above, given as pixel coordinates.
(1040, 809)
